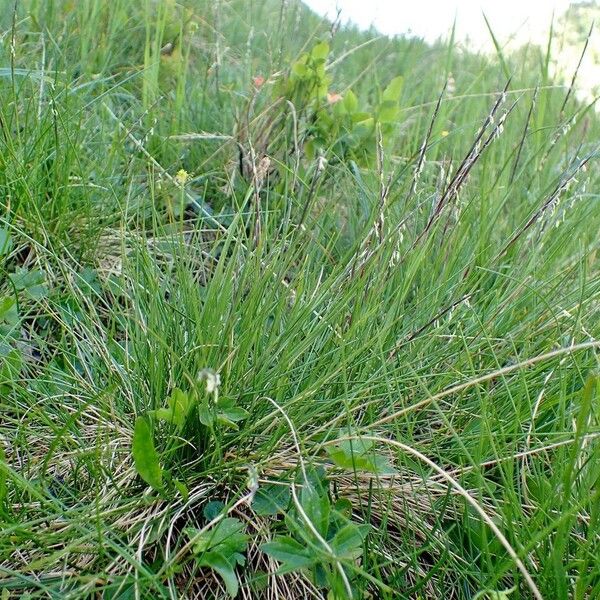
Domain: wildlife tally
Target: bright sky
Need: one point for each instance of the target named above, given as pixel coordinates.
(528, 19)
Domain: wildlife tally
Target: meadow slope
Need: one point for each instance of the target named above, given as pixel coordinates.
(292, 311)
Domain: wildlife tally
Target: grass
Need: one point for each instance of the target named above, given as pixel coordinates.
(404, 330)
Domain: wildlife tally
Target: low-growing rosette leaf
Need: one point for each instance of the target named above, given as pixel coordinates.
(33, 283)
(292, 555)
(225, 413)
(230, 415)
(224, 567)
(221, 548)
(316, 507)
(359, 455)
(271, 499)
(348, 541)
(213, 509)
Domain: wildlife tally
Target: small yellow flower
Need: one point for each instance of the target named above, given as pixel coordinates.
(181, 177)
(445, 133)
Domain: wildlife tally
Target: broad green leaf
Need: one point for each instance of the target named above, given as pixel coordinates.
(230, 416)
(350, 102)
(357, 445)
(220, 548)
(388, 112)
(348, 541)
(339, 111)
(145, 456)
(288, 551)
(343, 506)
(235, 413)
(213, 509)
(393, 91)
(299, 69)
(271, 499)
(219, 563)
(223, 420)
(320, 51)
(344, 460)
(8, 310)
(322, 579)
(316, 506)
(31, 282)
(164, 414)
(89, 281)
(206, 414)
(226, 537)
(178, 408)
(359, 455)
(316, 477)
(360, 116)
(321, 91)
